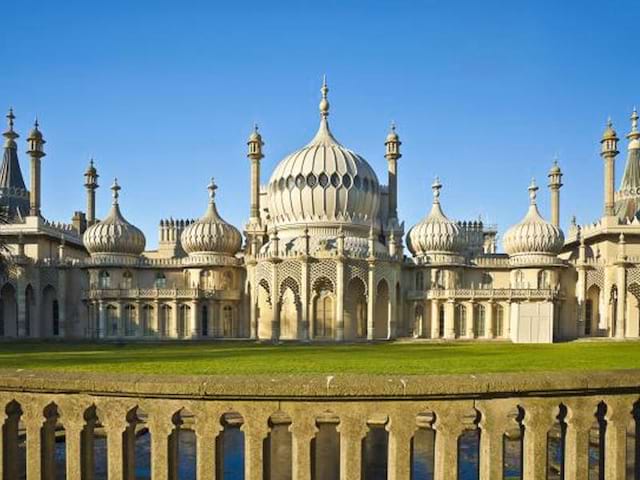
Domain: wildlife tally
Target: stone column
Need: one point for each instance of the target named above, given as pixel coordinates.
(401, 429)
(303, 430)
(156, 319)
(449, 319)
(115, 423)
(490, 330)
(352, 431)
(580, 417)
(392, 311)
(371, 301)
(194, 330)
(581, 297)
(471, 318)
(538, 419)
(63, 328)
(120, 331)
(304, 299)
(160, 427)
(340, 299)
(435, 318)
(102, 320)
(21, 300)
(172, 329)
(275, 320)
(255, 430)
(618, 417)
(621, 314)
(506, 320)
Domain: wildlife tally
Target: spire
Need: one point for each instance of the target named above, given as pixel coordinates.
(634, 134)
(436, 186)
(212, 187)
(10, 134)
(533, 192)
(13, 192)
(324, 103)
(115, 188)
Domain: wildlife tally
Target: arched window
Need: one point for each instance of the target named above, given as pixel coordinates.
(161, 280)
(438, 279)
(127, 280)
(518, 277)
(486, 280)
(499, 318)
(480, 325)
(588, 317)
(227, 321)
(104, 279)
(544, 279)
(205, 321)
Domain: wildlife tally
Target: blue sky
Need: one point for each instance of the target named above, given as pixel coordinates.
(164, 94)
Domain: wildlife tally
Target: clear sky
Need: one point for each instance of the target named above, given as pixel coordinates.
(164, 94)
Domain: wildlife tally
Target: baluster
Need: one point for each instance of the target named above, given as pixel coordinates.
(618, 417)
(494, 422)
(206, 434)
(580, 417)
(352, 431)
(303, 430)
(255, 428)
(448, 426)
(539, 417)
(33, 419)
(115, 423)
(401, 429)
(160, 427)
(73, 433)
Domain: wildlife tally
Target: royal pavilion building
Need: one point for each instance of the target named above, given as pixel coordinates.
(323, 257)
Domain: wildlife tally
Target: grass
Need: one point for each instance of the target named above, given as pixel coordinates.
(380, 358)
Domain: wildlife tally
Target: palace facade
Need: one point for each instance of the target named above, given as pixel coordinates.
(321, 258)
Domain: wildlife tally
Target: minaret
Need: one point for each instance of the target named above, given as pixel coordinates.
(91, 184)
(609, 150)
(254, 154)
(392, 154)
(555, 183)
(36, 152)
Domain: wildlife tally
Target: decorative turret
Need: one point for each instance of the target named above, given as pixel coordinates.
(36, 152)
(392, 154)
(436, 238)
(533, 240)
(609, 150)
(210, 236)
(627, 206)
(91, 184)
(555, 183)
(14, 196)
(254, 154)
(114, 237)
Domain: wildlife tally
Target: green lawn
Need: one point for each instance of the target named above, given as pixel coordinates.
(381, 358)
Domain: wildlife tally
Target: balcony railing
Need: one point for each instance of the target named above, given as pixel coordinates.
(533, 426)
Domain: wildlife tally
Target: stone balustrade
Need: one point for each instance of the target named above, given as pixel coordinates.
(509, 294)
(317, 427)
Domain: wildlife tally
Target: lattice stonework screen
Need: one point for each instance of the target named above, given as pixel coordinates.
(633, 276)
(595, 277)
(264, 272)
(290, 268)
(289, 282)
(323, 268)
(357, 270)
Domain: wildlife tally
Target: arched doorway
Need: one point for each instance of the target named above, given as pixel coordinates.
(355, 311)
(289, 313)
(29, 312)
(323, 309)
(50, 313)
(8, 311)
(381, 318)
(265, 310)
(592, 311)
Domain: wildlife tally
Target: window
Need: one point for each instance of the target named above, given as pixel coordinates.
(127, 280)
(544, 279)
(519, 278)
(161, 280)
(419, 280)
(104, 279)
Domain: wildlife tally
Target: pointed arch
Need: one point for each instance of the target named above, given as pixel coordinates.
(323, 308)
(49, 312)
(355, 311)
(381, 315)
(8, 311)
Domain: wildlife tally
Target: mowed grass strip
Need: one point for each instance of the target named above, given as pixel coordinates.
(241, 358)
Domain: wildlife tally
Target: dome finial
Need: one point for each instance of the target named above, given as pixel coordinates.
(533, 191)
(634, 134)
(10, 118)
(115, 188)
(324, 103)
(435, 187)
(212, 190)
(10, 135)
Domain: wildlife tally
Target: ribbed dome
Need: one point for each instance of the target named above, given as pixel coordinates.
(211, 234)
(435, 234)
(533, 238)
(323, 182)
(114, 235)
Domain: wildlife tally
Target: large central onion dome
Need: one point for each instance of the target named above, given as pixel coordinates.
(436, 238)
(323, 182)
(211, 235)
(114, 235)
(533, 240)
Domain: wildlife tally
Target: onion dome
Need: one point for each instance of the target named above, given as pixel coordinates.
(114, 236)
(324, 182)
(211, 235)
(436, 238)
(533, 240)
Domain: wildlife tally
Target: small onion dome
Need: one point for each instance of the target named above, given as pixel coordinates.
(555, 168)
(114, 235)
(533, 239)
(35, 133)
(393, 135)
(435, 234)
(609, 132)
(91, 169)
(211, 234)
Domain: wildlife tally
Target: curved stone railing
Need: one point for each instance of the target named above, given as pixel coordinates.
(285, 421)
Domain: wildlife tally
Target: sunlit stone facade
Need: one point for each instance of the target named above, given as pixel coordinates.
(321, 258)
